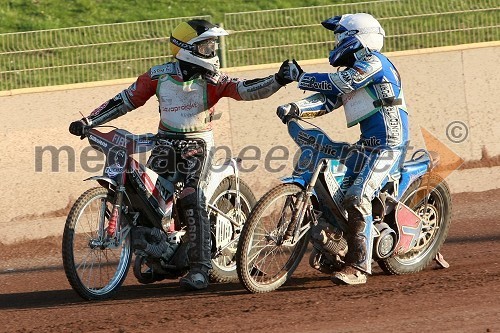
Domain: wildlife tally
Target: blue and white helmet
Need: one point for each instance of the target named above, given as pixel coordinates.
(352, 33)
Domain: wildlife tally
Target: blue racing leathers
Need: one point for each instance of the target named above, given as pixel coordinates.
(372, 96)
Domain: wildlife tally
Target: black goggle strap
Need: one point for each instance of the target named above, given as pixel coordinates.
(192, 47)
(182, 45)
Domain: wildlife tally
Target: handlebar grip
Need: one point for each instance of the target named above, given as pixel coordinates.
(86, 130)
(287, 118)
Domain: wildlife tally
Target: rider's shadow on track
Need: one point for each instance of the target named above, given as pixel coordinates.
(151, 292)
(157, 291)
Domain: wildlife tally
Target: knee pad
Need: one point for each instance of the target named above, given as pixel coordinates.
(356, 205)
(351, 202)
(187, 195)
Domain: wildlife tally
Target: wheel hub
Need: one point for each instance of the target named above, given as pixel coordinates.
(429, 216)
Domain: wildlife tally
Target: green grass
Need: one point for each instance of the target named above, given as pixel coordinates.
(28, 15)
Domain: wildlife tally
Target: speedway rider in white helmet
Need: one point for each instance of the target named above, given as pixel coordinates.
(187, 90)
(369, 87)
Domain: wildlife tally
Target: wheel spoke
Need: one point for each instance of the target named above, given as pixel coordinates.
(226, 226)
(264, 262)
(93, 270)
(431, 213)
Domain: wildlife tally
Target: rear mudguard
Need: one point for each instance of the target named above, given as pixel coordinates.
(408, 223)
(415, 168)
(219, 172)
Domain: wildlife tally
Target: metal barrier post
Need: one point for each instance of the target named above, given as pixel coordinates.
(222, 48)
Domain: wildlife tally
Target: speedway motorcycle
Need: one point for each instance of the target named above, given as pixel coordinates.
(133, 210)
(411, 216)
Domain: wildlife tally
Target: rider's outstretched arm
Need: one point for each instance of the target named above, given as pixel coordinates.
(310, 107)
(127, 100)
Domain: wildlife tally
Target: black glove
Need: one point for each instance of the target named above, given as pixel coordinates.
(294, 72)
(287, 112)
(280, 76)
(78, 128)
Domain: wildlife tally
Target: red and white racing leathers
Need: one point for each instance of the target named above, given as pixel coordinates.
(185, 106)
(186, 114)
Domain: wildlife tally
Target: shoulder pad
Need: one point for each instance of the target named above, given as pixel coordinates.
(368, 64)
(159, 70)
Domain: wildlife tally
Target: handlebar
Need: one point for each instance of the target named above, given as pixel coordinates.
(288, 118)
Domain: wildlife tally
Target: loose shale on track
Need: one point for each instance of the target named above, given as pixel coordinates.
(35, 296)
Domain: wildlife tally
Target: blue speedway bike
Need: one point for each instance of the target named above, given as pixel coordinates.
(411, 214)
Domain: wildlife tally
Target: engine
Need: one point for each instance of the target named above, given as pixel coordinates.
(155, 243)
(330, 247)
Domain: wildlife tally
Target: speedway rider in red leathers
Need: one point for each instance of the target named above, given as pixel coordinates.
(187, 90)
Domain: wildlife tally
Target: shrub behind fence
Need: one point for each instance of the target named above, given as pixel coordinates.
(114, 51)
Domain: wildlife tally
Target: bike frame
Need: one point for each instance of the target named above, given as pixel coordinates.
(118, 145)
(320, 154)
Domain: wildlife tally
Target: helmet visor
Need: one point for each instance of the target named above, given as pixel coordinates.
(206, 48)
(340, 36)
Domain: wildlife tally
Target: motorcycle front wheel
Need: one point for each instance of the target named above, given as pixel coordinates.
(225, 235)
(95, 265)
(265, 260)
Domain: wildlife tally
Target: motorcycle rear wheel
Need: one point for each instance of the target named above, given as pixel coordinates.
(223, 232)
(95, 268)
(264, 261)
(436, 213)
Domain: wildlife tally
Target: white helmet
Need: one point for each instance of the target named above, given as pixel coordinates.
(194, 42)
(353, 32)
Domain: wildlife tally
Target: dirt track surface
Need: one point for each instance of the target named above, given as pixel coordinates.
(36, 297)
